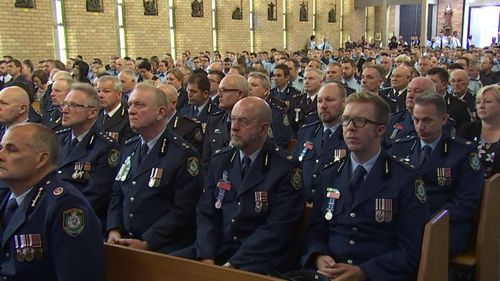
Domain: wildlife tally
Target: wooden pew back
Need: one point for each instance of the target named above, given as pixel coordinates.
(434, 255)
(126, 264)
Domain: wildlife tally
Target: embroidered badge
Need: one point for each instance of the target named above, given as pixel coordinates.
(475, 164)
(73, 221)
(113, 157)
(193, 166)
(296, 178)
(420, 191)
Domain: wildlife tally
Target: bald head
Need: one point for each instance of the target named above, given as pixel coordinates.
(14, 106)
(232, 88)
(459, 80)
(250, 119)
(216, 66)
(417, 87)
(171, 94)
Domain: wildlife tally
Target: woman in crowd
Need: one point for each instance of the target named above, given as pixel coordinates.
(485, 132)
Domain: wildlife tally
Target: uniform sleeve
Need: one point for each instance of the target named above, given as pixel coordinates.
(115, 207)
(188, 187)
(402, 263)
(102, 178)
(467, 191)
(76, 240)
(272, 238)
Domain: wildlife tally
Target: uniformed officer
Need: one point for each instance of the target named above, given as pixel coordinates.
(259, 86)
(250, 210)
(296, 81)
(49, 230)
(400, 78)
(188, 129)
(283, 90)
(459, 81)
(52, 118)
(321, 142)
(401, 123)
(303, 108)
(14, 107)
(231, 89)
(113, 118)
(456, 108)
(371, 80)
(88, 157)
(199, 107)
(369, 216)
(450, 169)
(159, 181)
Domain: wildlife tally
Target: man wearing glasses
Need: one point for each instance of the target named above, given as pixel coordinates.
(370, 211)
(231, 89)
(88, 156)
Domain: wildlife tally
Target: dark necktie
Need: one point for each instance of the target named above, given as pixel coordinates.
(72, 145)
(144, 153)
(105, 118)
(357, 179)
(245, 166)
(9, 211)
(196, 112)
(326, 136)
(424, 155)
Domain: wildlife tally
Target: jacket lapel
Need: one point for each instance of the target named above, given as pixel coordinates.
(18, 218)
(373, 182)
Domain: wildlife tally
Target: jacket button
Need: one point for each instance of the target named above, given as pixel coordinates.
(233, 220)
(132, 199)
(239, 203)
(130, 215)
(7, 255)
(134, 183)
(235, 238)
(351, 242)
(352, 215)
(349, 261)
(354, 229)
(317, 160)
(59, 172)
(315, 176)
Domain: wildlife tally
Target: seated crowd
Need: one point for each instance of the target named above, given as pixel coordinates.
(215, 159)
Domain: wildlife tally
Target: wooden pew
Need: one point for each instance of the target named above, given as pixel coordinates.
(126, 264)
(434, 255)
(484, 257)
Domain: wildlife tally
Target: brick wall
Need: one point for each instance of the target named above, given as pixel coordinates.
(233, 35)
(268, 34)
(96, 34)
(191, 33)
(91, 35)
(26, 33)
(298, 31)
(456, 19)
(331, 30)
(145, 35)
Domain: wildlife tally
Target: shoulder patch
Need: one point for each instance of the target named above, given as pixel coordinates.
(475, 163)
(193, 166)
(113, 157)
(420, 191)
(296, 178)
(73, 221)
(223, 151)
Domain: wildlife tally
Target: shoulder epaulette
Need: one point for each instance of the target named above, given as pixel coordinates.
(218, 113)
(180, 142)
(402, 162)
(62, 131)
(340, 162)
(191, 120)
(224, 150)
(405, 139)
(103, 135)
(311, 124)
(132, 140)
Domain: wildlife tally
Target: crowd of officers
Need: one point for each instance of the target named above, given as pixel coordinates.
(217, 162)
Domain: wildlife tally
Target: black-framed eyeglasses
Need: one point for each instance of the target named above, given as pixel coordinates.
(221, 90)
(74, 105)
(359, 122)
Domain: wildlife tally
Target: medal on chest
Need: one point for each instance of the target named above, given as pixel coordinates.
(124, 169)
(332, 195)
(307, 146)
(222, 186)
